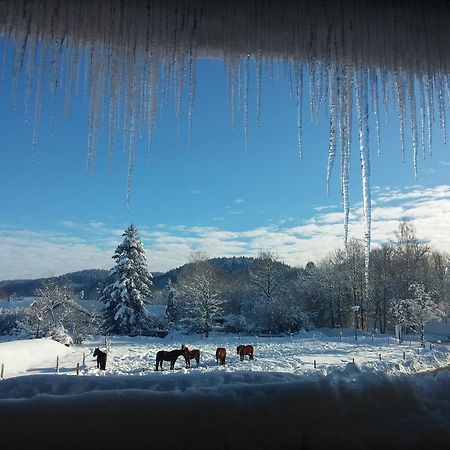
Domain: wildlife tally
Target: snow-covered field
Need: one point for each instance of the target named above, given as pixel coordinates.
(294, 355)
(278, 400)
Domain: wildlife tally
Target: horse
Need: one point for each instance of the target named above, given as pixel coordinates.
(193, 354)
(171, 356)
(101, 358)
(243, 350)
(221, 353)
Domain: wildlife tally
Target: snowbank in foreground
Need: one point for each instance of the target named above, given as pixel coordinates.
(240, 410)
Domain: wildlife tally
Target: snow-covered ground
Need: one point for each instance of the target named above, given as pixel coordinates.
(312, 353)
(278, 400)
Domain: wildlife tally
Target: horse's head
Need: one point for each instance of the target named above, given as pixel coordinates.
(96, 352)
(185, 350)
(238, 349)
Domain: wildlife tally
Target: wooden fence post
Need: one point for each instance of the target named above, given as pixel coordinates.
(84, 359)
(78, 368)
(315, 365)
(57, 364)
(404, 355)
(353, 359)
(2, 371)
(380, 356)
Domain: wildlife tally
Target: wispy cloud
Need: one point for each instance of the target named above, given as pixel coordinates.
(31, 253)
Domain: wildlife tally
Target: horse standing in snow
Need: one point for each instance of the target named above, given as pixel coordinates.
(101, 359)
(171, 356)
(193, 354)
(243, 350)
(221, 354)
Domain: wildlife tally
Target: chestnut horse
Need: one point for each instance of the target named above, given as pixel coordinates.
(193, 354)
(171, 356)
(101, 359)
(221, 353)
(243, 350)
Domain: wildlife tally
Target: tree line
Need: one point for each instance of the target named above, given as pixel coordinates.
(408, 286)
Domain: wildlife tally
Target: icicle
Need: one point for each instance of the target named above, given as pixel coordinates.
(430, 109)
(423, 115)
(299, 101)
(258, 69)
(412, 112)
(192, 83)
(246, 88)
(3, 63)
(374, 94)
(333, 99)
(400, 92)
(38, 100)
(441, 105)
(346, 103)
(363, 116)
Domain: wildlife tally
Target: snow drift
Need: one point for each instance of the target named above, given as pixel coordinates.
(248, 410)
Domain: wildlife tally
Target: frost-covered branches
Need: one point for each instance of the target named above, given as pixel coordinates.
(55, 313)
(198, 295)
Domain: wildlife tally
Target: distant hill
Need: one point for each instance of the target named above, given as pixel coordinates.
(84, 280)
(92, 281)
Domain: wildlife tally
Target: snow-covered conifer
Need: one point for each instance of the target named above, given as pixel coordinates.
(129, 286)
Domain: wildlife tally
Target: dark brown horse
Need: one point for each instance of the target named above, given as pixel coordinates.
(221, 353)
(243, 350)
(171, 356)
(193, 354)
(101, 359)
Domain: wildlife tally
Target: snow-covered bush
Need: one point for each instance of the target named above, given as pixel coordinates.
(10, 321)
(236, 323)
(60, 334)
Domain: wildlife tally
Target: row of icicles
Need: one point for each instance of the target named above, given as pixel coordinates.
(129, 73)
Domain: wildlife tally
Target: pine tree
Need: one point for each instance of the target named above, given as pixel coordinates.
(126, 295)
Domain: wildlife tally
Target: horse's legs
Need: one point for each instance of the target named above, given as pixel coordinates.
(198, 360)
(251, 356)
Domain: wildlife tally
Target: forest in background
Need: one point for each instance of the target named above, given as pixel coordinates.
(408, 286)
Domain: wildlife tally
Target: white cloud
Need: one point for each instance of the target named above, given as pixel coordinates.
(31, 253)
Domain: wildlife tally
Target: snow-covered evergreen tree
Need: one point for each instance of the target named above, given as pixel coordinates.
(129, 287)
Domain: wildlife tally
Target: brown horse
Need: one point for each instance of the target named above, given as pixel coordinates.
(171, 356)
(243, 350)
(221, 353)
(193, 354)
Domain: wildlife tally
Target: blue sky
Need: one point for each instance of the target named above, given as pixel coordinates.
(217, 197)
